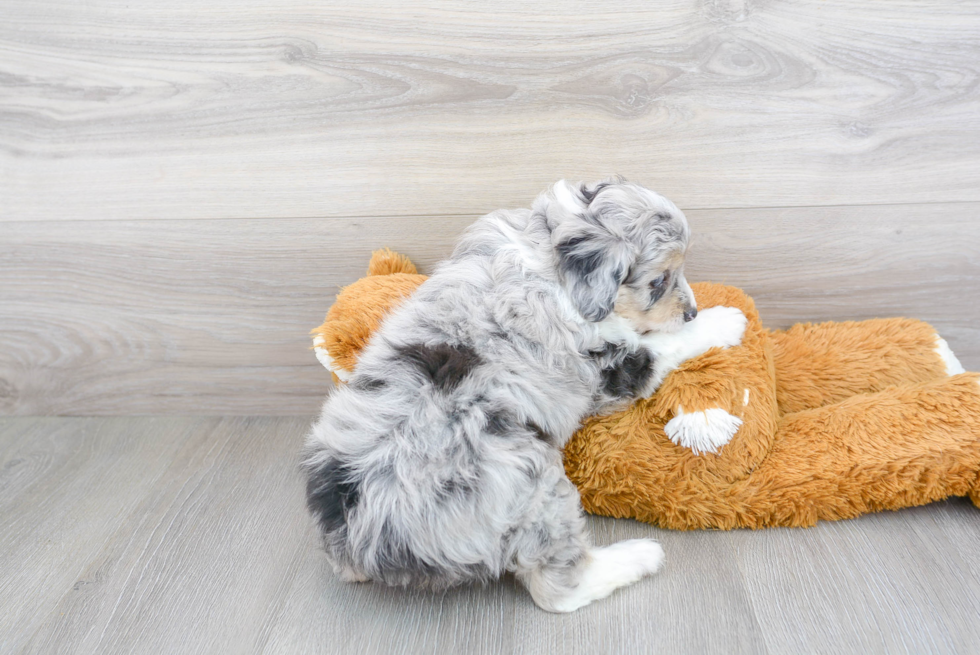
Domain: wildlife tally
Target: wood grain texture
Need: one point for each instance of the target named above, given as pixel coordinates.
(259, 109)
(321, 615)
(66, 489)
(885, 564)
(193, 538)
(697, 604)
(206, 317)
(201, 562)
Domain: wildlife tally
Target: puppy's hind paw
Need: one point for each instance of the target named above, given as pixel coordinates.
(702, 432)
(642, 556)
(608, 569)
(348, 574)
(355, 578)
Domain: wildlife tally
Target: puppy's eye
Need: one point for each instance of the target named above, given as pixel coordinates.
(659, 281)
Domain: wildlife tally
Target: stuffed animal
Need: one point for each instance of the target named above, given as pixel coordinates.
(830, 421)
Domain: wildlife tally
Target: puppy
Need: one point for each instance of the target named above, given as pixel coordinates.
(439, 462)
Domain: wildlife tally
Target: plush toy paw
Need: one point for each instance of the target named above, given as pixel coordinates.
(953, 366)
(702, 432)
(320, 348)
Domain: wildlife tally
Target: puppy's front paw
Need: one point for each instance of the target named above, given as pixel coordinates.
(702, 432)
(721, 326)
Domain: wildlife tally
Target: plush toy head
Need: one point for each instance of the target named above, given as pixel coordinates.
(836, 419)
(359, 309)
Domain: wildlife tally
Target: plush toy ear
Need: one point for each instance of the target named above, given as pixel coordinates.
(387, 262)
(593, 267)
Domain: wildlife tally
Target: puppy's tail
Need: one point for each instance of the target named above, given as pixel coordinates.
(387, 262)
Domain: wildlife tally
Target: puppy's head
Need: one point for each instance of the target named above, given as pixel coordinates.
(620, 247)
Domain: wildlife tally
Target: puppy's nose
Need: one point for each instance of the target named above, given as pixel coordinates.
(690, 314)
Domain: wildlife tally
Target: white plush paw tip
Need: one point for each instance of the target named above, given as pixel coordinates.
(319, 348)
(953, 366)
(702, 432)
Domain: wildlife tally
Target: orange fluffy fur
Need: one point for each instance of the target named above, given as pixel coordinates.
(841, 419)
(359, 308)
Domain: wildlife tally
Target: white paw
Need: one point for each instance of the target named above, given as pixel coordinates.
(720, 326)
(348, 574)
(353, 577)
(609, 569)
(953, 366)
(715, 327)
(643, 556)
(702, 432)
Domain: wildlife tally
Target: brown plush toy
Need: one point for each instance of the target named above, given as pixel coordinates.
(837, 419)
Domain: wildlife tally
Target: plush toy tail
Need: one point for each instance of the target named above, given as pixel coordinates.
(386, 262)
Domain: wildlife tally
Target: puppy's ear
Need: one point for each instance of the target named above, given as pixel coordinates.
(593, 265)
(589, 191)
(593, 256)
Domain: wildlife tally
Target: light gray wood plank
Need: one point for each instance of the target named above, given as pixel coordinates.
(14, 433)
(868, 585)
(156, 317)
(221, 557)
(197, 566)
(27, 452)
(190, 535)
(206, 317)
(325, 615)
(264, 110)
(697, 604)
(65, 491)
(955, 522)
(850, 263)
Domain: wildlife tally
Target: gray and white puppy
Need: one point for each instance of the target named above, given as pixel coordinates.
(439, 463)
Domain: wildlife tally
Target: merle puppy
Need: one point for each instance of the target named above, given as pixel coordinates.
(440, 463)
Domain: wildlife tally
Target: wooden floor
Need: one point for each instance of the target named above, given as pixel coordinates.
(189, 535)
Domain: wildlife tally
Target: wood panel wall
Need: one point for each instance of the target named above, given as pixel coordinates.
(185, 185)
